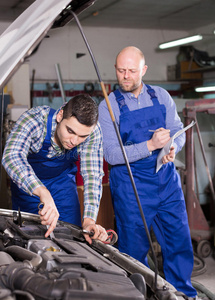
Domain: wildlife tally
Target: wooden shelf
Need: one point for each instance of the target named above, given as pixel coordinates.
(203, 69)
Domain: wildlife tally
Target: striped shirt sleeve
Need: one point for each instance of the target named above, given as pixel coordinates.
(26, 136)
(91, 157)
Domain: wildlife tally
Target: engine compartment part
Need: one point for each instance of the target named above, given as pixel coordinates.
(35, 267)
(67, 267)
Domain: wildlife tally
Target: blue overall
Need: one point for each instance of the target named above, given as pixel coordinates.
(58, 176)
(160, 195)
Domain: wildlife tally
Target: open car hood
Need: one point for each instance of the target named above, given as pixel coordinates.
(27, 31)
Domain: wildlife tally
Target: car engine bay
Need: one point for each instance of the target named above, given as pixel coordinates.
(35, 267)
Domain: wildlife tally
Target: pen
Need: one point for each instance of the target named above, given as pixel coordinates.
(156, 130)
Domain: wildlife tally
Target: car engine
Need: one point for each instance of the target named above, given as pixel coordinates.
(66, 267)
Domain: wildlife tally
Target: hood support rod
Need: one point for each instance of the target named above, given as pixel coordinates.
(121, 144)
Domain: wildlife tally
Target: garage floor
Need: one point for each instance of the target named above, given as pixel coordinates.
(207, 278)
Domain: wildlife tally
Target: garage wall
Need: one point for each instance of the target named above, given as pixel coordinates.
(63, 45)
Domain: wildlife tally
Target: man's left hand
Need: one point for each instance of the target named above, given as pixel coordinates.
(170, 157)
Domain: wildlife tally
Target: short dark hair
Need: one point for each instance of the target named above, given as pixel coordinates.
(83, 108)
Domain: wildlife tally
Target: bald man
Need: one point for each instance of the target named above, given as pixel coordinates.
(140, 109)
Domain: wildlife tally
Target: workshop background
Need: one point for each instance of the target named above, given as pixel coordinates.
(110, 25)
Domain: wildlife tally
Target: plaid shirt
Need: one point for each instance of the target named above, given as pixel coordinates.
(27, 136)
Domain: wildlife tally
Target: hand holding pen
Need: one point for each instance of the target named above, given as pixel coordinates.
(159, 139)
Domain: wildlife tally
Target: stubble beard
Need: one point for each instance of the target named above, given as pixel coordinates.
(128, 88)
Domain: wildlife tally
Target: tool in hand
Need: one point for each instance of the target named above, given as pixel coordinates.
(90, 233)
(40, 207)
(112, 236)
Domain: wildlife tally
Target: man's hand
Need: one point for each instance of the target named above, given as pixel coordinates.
(169, 157)
(159, 139)
(99, 232)
(48, 214)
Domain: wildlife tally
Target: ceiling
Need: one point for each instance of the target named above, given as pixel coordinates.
(186, 15)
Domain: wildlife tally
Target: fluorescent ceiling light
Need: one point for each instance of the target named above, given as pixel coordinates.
(182, 41)
(205, 89)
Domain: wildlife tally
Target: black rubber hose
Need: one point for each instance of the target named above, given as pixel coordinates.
(22, 254)
(20, 276)
(23, 294)
(16, 228)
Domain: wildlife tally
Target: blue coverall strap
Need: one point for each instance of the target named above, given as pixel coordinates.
(46, 142)
(49, 123)
(152, 95)
(121, 101)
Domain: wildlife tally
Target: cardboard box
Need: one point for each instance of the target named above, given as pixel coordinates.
(188, 70)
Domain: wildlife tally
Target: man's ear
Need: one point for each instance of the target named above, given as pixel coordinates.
(59, 116)
(145, 67)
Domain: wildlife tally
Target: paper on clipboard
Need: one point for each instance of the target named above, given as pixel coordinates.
(166, 148)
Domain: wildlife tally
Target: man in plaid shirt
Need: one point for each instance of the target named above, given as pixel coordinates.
(40, 156)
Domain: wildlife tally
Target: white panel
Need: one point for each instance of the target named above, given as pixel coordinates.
(19, 86)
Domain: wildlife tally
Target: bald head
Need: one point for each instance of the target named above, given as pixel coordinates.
(130, 68)
(131, 51)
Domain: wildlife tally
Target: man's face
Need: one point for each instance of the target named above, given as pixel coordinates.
(130, 69)
(70, 133)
